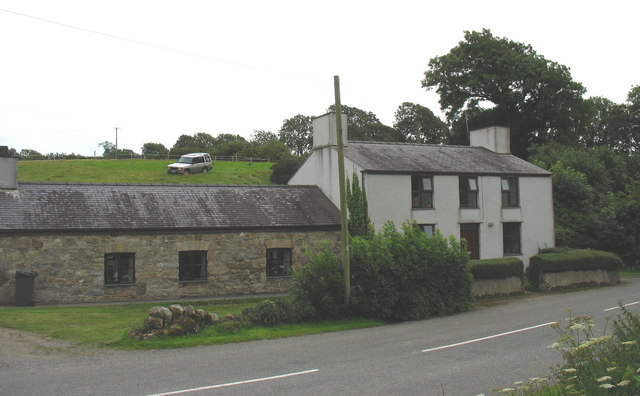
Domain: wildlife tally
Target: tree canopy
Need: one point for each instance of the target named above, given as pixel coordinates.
(296, 133)
(418, 124)
(502, 82)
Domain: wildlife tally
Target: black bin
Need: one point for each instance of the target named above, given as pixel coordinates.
(24, 288)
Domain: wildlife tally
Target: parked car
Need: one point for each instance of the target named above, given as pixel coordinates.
(191, 163)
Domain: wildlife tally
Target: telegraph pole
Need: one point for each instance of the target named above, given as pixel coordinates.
(343, 198)
(116, 128)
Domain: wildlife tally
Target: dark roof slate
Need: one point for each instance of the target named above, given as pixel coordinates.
(85, 206)
(416, 158)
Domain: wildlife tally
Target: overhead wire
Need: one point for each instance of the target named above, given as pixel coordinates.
(161, 47)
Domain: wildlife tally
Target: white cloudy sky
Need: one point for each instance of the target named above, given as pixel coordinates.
(70, 71)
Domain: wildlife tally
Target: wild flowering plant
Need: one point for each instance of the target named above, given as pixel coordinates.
(608, 364)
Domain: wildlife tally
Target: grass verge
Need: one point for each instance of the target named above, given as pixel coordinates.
(107, 326)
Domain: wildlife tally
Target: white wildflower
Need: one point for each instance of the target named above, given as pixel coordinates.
(624, 383)
(603, 379)
(607, 386)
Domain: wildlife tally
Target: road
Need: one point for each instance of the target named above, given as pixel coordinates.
(466, 354)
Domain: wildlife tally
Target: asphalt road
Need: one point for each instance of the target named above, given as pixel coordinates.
(466, 354)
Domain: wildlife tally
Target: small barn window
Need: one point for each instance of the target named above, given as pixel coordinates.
(119, 268)
(278, 262)
(192, 265)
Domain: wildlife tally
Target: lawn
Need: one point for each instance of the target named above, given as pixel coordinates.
(140, 171)
(107, 326)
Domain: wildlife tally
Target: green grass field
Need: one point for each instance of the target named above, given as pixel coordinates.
(140, 171)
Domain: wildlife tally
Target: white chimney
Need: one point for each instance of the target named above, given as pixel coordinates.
(324, 130)
(496, 139)
(8, 170)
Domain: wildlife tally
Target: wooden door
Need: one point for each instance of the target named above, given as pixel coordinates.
(471, 232)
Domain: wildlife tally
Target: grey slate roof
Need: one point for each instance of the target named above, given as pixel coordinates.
(436, 159)
(137, 207)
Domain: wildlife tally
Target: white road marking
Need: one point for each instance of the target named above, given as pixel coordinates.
(488, 337)
(625, 305)
(251, 381)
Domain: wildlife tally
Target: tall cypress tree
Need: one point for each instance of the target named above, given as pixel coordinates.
(359, 222)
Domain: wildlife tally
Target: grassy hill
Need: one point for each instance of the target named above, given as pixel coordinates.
(140, 171)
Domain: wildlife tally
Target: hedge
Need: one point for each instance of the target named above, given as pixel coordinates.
(571, 260)
(497, 268)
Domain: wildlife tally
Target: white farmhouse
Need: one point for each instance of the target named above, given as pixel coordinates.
(501, 204)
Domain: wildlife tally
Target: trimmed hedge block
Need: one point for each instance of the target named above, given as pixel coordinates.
(497, 268)
(563, 260)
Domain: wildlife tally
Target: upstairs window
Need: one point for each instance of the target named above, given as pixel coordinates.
(278, 262)
(422, 191)
(510, 195)
(468, 191)
(119, 268)
(192, 265)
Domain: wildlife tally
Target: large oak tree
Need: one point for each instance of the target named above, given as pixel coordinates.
(503, 82)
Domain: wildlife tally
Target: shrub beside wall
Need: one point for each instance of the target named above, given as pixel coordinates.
(561, 260)
(395, 275)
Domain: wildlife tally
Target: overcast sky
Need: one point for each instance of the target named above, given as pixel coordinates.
(71, 71)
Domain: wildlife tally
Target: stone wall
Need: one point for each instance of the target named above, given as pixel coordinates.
(70, 267)
(497, 287)
(567, 279)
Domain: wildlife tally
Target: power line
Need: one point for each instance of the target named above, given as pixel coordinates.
(156, 46)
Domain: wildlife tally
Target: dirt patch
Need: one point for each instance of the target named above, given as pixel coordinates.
(20, 344)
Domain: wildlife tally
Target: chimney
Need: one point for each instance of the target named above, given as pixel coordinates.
(324, 131)
(8, 170)
(496, 139)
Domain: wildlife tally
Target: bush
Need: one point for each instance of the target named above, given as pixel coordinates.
(571, 260)
(408, 275)
(317, 288)
(284, 169)
(497, 268)
(269, 313)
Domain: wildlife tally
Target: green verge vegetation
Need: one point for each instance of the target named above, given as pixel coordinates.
(107, 326)
(593, 365)
(140, 171)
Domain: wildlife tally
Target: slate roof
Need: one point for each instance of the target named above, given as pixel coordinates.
(436, 159)
(85, 206)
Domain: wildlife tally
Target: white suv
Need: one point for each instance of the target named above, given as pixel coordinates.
(191, 163)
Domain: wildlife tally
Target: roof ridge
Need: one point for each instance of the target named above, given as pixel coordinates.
(413, 144)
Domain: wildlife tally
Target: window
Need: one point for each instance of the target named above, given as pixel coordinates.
(192, 265)
(421, 191)
(468, 191)
(428, 229)
(511, 238)
(278, 262)
(509, 192)
(119, 268)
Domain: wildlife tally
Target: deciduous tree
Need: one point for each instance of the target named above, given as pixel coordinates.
(509, 84)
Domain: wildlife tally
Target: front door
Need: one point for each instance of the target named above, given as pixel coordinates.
(471, 232)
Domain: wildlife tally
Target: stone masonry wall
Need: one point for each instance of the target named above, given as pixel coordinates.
(70, 267)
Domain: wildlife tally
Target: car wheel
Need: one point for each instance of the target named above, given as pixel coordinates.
(187, 171)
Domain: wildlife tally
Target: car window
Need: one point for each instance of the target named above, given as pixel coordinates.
(185, 160)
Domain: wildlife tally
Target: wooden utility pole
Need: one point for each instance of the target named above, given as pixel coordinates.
(116, 128)
(343, 198)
